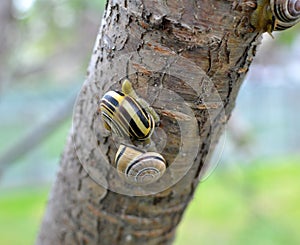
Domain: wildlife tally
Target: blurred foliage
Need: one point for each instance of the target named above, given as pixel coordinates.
(47, 48)
(20, 214)
(50, 42)
(288, 36)
(48, 24)
(254, 204)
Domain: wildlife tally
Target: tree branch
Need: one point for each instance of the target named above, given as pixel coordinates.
(184, 58)
(37, 135)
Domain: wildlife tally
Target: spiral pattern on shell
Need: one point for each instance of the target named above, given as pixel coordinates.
(124, 116)
(139, 167)
(286, 13)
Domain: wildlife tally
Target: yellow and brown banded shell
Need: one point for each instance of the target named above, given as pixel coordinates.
(286, 13)
(139, 167)
(124, 116)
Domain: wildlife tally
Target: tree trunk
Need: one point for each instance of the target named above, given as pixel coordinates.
(188, 60)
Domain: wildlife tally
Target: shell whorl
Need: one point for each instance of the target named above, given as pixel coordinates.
(124, 116)
(139, 167)
(286, 13)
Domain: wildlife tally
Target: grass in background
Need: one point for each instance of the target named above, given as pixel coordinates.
(255, 204)
(20, 215)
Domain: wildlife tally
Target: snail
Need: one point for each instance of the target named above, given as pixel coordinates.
(275, 15)
(125, 114)
(286, 13)
(139, 167)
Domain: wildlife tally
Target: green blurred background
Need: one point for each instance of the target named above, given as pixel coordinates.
(252, 197)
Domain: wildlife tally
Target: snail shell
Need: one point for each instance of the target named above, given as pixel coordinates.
(139, 167)
(124, 116)
(286, 13)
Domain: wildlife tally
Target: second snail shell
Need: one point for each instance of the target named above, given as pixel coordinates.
(139, 167)
(286, 13)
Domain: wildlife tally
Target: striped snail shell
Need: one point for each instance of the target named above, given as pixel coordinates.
(286, 13)
(139, 167)
(124, 116)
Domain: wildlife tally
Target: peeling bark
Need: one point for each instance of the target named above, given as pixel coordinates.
(216, 37)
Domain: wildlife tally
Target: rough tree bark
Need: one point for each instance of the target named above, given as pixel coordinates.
(218, 38)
